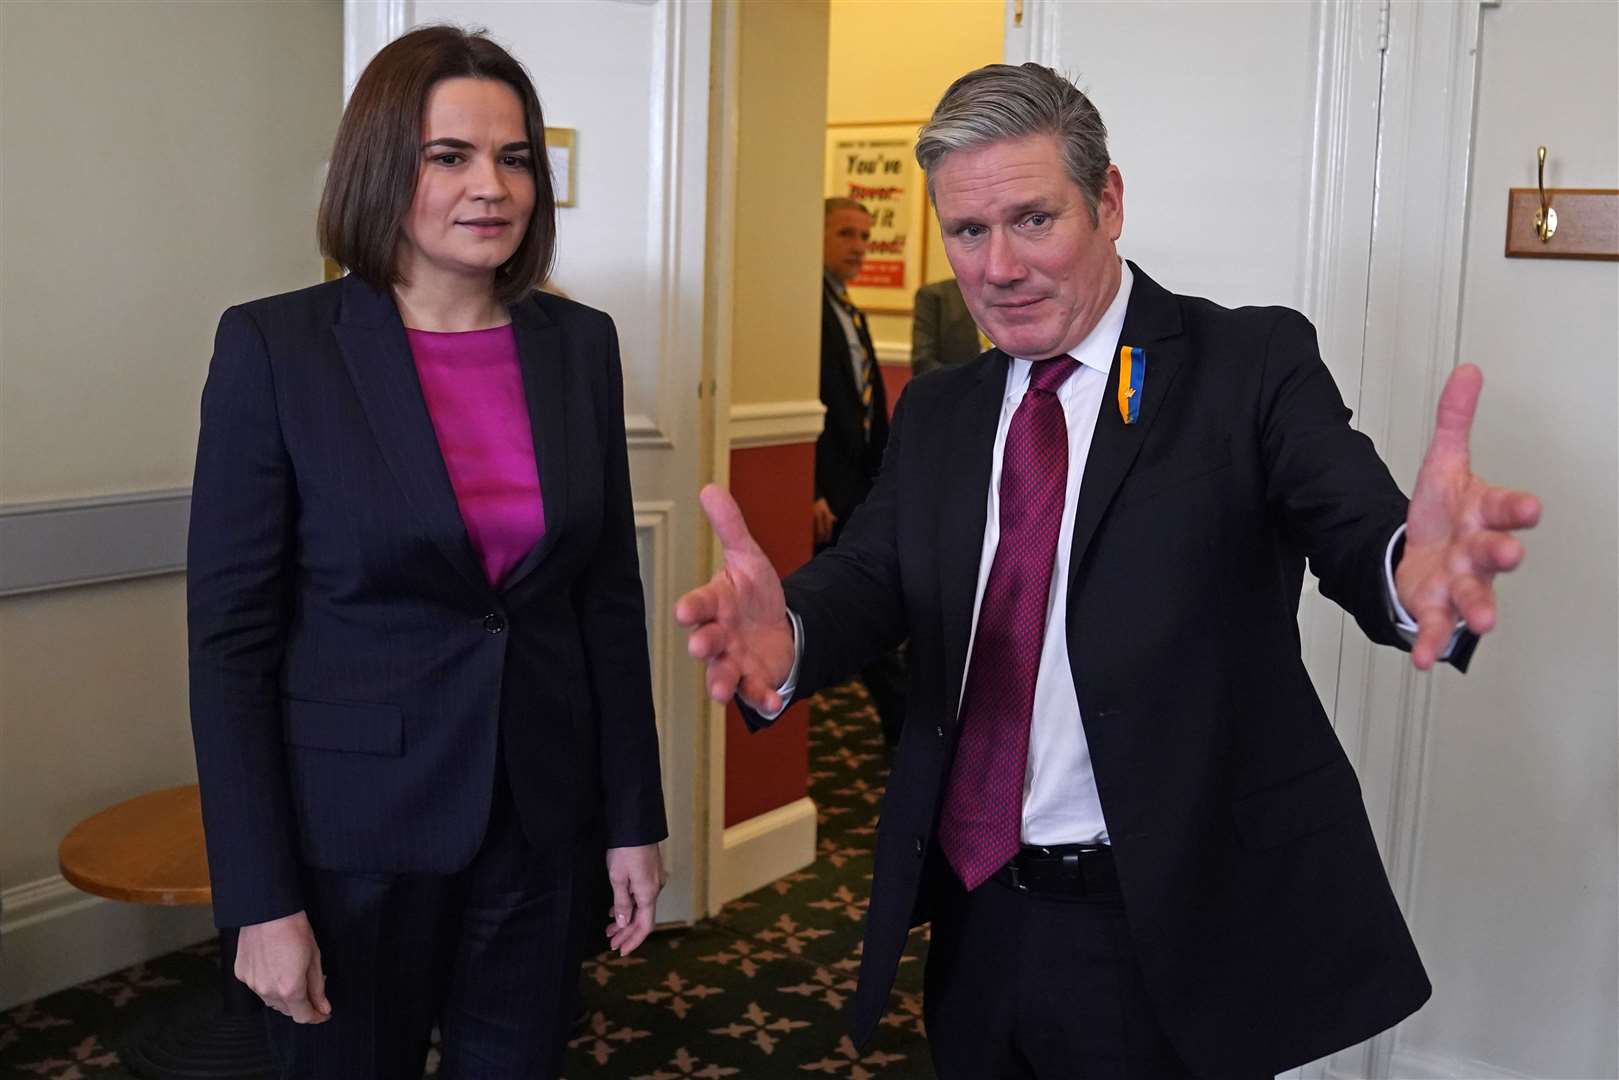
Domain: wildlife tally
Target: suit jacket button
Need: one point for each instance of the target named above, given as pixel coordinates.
(939, 731)
(493, 623)
(919, 845)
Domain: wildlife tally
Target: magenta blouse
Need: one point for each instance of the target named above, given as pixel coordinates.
(474, 392)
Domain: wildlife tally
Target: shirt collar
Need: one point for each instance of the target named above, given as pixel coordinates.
(1096, 350)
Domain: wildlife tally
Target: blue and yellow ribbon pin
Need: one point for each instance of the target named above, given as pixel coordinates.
(1132, 376)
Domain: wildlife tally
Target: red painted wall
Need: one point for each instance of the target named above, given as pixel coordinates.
(774, 486)
(895, 376)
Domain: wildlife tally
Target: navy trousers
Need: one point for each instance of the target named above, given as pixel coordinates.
(1023, 986)
(491, 955)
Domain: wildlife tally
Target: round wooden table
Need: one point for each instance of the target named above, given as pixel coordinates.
(149, 850)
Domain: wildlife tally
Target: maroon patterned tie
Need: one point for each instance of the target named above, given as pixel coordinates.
(982, 819)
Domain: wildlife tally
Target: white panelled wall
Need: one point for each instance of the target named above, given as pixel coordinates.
(1514, 880)
(1320, 154)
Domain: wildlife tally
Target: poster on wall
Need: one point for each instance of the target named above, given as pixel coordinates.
(875, 165)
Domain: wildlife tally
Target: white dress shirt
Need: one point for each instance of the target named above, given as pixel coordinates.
(1060, 803)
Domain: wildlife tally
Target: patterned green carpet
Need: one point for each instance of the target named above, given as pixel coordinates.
(755, 993)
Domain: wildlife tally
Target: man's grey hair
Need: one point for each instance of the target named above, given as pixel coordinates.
(1001, 101)
(838, 202)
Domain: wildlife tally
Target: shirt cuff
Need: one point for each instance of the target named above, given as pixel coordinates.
(786, 689)
(1404, 624)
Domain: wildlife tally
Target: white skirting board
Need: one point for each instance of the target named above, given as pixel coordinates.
(1411, 1064)
(52, 936)
(761, 849)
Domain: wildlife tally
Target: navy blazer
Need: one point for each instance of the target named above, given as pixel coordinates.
(1259, 910)
(846, 456)
(352, 670)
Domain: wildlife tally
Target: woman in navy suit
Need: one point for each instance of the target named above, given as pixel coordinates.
(420, 691)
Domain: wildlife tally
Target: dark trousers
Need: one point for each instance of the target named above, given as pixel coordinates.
(1025, 986)
(491, 955)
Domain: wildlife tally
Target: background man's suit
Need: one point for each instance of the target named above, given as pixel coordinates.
(943, 333)
(356, 682)
(1257, 905)
(847, 460)
(847, 457)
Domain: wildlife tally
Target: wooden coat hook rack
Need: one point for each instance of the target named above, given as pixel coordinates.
(1562, 223)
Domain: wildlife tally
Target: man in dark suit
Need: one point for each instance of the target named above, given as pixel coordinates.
(854, 433)
(1118, 798)
(943, 333)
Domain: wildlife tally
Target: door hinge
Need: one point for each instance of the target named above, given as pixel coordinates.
(1017, 12)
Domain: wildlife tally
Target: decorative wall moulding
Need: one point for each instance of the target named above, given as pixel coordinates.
(775, 423)
(55, 545)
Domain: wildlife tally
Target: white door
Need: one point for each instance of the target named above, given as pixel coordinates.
(630, 78)
(1502, 823)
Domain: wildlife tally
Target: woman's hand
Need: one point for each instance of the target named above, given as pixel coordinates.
(280, 962)
(637, 877)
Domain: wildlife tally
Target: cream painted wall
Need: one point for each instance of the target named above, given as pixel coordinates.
(163, 160)
(891, 60)
(776, 313)
(95, 710)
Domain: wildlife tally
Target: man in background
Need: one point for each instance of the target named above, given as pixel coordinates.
(943, 333)
(855, 432)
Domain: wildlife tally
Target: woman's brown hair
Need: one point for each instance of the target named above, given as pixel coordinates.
(377, 156)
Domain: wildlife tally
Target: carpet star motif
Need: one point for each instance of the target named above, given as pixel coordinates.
(783, 885)
(599, 969)
(757, 1026)
(125, 986)
(837, 854)
(745, 955)
(599, 1036)
(791, 936)
(842, 899)
(905, 1013)
(686, 1065)
(675, 994)
(865, 792)
(87, 1051)
(826, 985)
(850, 1058)
(29, 1017)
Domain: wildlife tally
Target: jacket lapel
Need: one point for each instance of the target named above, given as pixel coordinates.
(546, 388)
(1151, 321)
(845, 363)
(963, 480)
(372, 339)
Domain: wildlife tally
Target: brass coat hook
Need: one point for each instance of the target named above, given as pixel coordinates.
(1545, 217)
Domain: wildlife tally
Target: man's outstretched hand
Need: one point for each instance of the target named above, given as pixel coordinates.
(737, 624)
(1458, 530)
